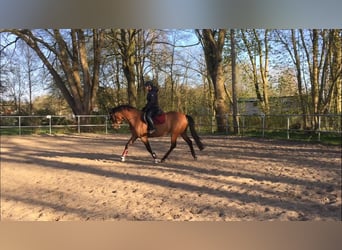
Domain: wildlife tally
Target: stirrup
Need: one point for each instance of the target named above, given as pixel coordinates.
(151, 131)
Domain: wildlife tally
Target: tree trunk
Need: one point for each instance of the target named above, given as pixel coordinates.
(336, 67)
(314, 77)
(234, 82)
(212, 43)
(263, 65)
(312, 60)
(127, 46)
(297, 63)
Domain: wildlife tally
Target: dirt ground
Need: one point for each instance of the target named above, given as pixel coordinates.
(81, 177)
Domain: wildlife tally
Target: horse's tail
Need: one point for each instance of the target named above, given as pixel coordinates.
(194, 133)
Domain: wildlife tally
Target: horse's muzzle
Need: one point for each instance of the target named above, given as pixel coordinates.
(116, 126)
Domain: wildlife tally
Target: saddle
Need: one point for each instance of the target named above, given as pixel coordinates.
(159, 118)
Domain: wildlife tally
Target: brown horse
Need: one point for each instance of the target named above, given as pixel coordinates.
(174, 123)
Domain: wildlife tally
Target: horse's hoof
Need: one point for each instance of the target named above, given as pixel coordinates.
(157, 161)
(123, 159)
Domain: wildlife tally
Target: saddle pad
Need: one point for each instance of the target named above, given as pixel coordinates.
(159, 119)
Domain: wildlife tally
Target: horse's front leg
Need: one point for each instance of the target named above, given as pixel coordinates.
(149, 149)
(125, 152)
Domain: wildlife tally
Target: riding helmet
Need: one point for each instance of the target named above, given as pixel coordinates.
(148, 83)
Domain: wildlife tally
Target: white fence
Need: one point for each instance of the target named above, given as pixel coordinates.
(261, 124)
(52, 123)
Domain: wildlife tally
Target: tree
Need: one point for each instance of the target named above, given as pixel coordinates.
(291, 44)
(323, 56)
(126, 41)
(30, 67)
(15, 87)
(335, 62)
(213, 41)
(78, 59)
(3, 71)
(313, 69)
(234, 81)
(257, 46)
(316, 55)
(133, 52)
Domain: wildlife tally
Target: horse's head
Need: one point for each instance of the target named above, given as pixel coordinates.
(123, 112)
(116, 118)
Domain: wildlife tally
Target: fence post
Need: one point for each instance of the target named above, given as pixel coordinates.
(212, 124)
(319, 128)
(288, 128)
(263, 125)
(106, 123)
(227, 124)
(78, 124)
(49, 117)
(19, 125)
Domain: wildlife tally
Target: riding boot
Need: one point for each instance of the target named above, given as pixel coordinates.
(150, 125)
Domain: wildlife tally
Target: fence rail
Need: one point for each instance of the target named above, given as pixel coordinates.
(261, 124)
(325, 123)
(49, 123)
(282, 126)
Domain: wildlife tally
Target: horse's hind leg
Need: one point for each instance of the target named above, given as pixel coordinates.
(189, 142)
(125, 152)
(173, 145)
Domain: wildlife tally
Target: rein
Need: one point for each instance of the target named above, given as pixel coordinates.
(130, 119)
(133, 118)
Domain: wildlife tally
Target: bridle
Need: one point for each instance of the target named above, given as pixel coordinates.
(115, 121)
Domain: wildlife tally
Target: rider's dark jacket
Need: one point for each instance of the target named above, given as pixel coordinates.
(152, 101)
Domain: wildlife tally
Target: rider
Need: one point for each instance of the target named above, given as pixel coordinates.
(152, 107)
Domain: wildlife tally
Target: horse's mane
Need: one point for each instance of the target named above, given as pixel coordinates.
(121, 107)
